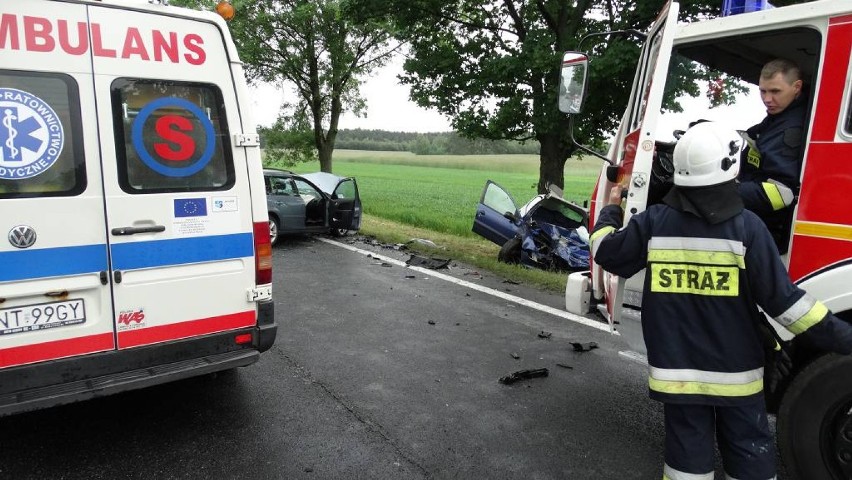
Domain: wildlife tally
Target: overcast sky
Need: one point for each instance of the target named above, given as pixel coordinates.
(388, 108)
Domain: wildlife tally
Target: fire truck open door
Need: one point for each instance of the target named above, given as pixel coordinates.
(634, 150)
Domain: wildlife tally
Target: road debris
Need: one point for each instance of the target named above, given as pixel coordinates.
(423, 241)
(433, 263)
(564, 365)
(543, 334)
(522, 375)
(515, 356)
(584, 347)
(431, 322)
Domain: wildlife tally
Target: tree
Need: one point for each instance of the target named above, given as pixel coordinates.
(492, 66)
(315, 47)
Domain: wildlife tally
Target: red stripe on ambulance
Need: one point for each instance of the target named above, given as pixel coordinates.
(192, 328)
(40, 352)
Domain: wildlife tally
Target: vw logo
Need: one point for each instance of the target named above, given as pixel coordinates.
(22, 236)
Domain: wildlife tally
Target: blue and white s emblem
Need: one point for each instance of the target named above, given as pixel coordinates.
(31, 135)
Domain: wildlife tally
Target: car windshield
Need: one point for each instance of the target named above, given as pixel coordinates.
(327, 182)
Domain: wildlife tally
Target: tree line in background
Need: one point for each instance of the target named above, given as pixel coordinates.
(438, 143)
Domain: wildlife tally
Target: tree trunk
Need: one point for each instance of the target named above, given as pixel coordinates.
(553, 156)
(324, 153)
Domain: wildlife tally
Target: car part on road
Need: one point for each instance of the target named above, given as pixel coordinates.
(523, 375)
(584, 347)
(433, 263)
(543, 334)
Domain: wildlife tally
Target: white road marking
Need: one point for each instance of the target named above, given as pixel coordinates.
(634, 356)
(490, 291)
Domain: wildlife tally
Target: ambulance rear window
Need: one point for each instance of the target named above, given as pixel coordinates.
(40, 136)
(171, 137)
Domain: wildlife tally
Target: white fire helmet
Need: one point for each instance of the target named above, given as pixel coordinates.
(707, 154)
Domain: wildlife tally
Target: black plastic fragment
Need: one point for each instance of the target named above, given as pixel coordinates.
(584, 347)
(433, 263)
(523, 375)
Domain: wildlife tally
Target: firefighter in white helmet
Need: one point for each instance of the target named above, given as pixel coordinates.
(708, 263)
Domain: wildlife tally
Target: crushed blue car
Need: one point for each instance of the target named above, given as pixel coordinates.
(548, 232)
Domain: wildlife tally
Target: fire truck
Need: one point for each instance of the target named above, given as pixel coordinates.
(134, 237)
(814, 403)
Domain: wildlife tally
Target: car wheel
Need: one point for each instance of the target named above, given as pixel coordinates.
(815, 421)
(274, 230)
(510, 252)
(339, 232)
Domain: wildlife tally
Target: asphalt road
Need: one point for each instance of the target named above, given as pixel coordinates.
(378, 372)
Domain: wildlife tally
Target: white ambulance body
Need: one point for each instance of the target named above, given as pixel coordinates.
(814, 405)
(135, 242)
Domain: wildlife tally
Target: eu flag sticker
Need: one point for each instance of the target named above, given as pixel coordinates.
(190, 207)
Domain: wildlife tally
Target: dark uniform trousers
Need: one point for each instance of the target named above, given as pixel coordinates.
(745, 442)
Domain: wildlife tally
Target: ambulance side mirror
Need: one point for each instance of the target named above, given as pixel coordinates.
(572, 85)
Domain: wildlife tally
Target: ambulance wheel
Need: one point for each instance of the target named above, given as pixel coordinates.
(510, 252)
(274, 230)
(815, 421)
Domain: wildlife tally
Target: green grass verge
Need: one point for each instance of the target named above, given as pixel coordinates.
(474, 251)
(434, 197)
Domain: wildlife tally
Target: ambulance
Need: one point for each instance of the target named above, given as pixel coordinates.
(135, 239)
(814, 403)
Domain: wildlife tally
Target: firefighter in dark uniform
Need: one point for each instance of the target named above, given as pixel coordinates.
(708, 263)
(772, 159)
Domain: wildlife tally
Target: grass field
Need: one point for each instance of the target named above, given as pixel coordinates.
(434, 197)
(440, 192)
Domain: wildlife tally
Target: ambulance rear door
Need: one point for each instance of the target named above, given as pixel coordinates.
(635, 151)
(177, 194)
(54, 288)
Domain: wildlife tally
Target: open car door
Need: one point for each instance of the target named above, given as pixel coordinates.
(344, 210)
(634, 149)
(496, 214)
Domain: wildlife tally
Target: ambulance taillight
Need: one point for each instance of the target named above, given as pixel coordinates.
(262, 254)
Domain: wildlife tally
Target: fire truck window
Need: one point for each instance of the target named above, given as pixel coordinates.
(171, 137)
(40, 136)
